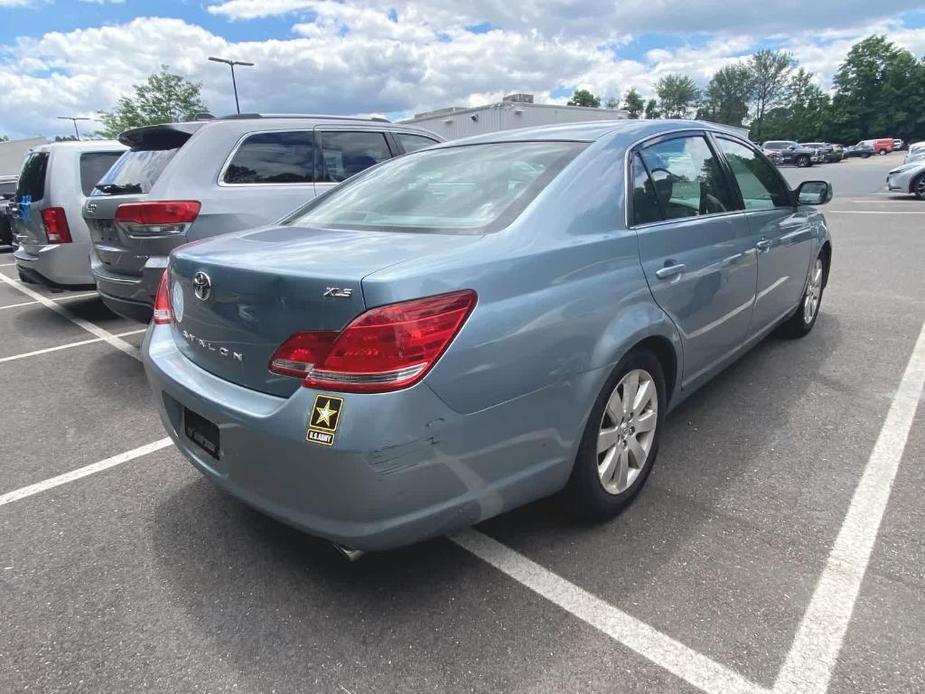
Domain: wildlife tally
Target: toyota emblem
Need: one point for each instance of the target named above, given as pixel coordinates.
(202, 286)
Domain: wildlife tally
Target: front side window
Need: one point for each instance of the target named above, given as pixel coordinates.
(93, 166)
(345, 154)
(412, 142)
(474, 189)
(761, 186)
(32, 177)
(277, 157)
(687, 178)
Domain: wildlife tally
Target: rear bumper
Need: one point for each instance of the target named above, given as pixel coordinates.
(403, 466)
(130, 296)
(65, 265)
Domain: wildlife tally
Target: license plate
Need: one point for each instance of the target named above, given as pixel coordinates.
(202, 432)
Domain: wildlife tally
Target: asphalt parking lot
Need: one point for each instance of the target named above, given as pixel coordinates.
(778, 545)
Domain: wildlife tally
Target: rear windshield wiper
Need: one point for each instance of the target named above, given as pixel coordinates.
(116, 189)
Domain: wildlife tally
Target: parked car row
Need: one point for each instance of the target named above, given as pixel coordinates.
(425, 341)
(7, 193)
(107, 214)
(804, 154)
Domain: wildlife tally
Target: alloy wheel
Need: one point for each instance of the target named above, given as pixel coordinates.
(919, 189)
(627, 431)
(813, 293)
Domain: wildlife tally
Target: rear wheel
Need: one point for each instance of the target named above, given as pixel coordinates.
(804, 318)
(620, 441)
(918, 186)
(802, 161)
(882, 152)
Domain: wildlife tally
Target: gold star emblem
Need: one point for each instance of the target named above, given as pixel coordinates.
(325, 413)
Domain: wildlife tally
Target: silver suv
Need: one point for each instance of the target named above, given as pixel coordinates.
(185, 181)
(55, 179)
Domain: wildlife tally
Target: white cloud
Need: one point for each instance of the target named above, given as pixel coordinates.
(359, 59)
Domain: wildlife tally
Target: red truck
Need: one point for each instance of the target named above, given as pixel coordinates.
(882, 145)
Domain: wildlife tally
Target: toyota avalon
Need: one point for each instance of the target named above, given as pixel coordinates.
(479, 324)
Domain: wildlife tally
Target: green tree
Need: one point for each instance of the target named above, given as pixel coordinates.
(676, 95)
(582, 97)
(810, 108)
(163, 98)
(880, 92)
(727, 96)
(651, 111)
(633, 103)
(770, 75)
(613, 103)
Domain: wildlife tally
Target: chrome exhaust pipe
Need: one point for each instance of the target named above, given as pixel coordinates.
(348, 553)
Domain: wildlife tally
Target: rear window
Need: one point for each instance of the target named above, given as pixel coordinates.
(278, 157)
(345, 154)
(93, 166)
(474, 189)
(135, 172)
(32, 176)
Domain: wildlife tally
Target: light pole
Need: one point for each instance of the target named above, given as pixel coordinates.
(234, 84)
(74, 120)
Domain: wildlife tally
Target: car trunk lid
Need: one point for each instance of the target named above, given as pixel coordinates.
(267, 284)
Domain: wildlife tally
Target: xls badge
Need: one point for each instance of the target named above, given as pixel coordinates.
(323, 419)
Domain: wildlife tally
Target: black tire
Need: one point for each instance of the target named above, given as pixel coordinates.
(882, 152)
(585, 495)
(918, 186)
(803, 161)
(866, 155)
(798, 325)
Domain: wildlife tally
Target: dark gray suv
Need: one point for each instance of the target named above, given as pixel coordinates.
(181, 182)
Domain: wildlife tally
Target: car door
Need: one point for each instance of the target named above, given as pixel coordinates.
(699, 264)
(342, 153)
(780, 231)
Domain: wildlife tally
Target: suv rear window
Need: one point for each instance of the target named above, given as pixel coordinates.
(32, 176)
(93, 166)
(135, 172)
(277, 157)
(345, 154)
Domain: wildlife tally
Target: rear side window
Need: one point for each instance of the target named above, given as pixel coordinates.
(645, 202)
(277, 157)
(760, 184)
(687, 178)
(345, 154)
(412, 143)
(32, 176)
(93, 166)
(136, 171)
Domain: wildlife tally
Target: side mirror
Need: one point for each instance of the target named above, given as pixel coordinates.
(814, 192)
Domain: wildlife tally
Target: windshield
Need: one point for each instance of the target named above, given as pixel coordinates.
(134, 172)
(473, 188)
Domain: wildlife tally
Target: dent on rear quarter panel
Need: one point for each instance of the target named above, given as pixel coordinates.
(561, 292)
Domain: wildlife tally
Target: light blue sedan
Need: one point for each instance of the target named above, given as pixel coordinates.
(463, 330)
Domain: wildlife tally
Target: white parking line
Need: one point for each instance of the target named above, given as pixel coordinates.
(60, 298)
(101, 333)
(7, 264)
(814, 653)
(67, 346)
(23, 492)
(664, 651)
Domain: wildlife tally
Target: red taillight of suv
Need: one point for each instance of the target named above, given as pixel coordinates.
(162, 312)
(387, 348)
(55, 221)
(158, 217)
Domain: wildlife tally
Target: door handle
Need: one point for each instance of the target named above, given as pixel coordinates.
(670, 271)
(763, 245)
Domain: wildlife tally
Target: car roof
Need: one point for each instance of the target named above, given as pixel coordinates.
(80, 146)
(592, 131)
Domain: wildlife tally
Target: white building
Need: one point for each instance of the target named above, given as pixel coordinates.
(514, 111)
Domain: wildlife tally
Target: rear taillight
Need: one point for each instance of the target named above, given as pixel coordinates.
(56, 228)
(158, 217)
(386, 348)
(162, 301)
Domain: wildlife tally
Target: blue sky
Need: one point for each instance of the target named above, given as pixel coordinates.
(362, 56)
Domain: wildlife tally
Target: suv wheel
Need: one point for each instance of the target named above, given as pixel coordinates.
(918, 187)
(620, 441)
(802, 161)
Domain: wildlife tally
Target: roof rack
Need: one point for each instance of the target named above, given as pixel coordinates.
(243, 116)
